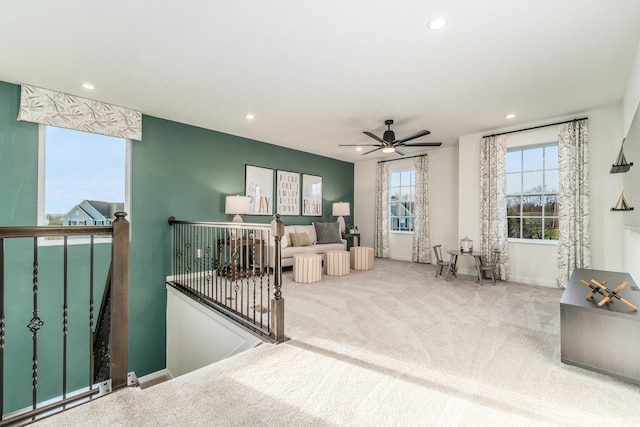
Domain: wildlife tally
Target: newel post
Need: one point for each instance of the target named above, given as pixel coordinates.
(120, 302)
(277, 303)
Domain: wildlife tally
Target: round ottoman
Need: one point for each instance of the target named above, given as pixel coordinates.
(361, 258)
(336, 263)
(307, 268)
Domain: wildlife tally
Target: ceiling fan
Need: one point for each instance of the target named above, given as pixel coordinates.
(389, 144)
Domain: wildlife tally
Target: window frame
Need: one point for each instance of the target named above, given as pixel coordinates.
(41, 214)
(413, 187)
(521, 149)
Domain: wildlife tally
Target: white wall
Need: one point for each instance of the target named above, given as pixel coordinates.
(443, 202)
(631, 103)
(198, 336)
(536, 263)
(631, 100)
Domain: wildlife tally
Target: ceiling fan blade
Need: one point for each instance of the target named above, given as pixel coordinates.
(401, 151)
(377, 138)
(368, 152)
(358, 145)
(421, 144)
(412, 136)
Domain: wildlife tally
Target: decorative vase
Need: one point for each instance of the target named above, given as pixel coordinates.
(466, 245)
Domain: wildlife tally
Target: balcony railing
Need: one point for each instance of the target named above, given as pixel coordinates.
(105, 338)
(225, 266)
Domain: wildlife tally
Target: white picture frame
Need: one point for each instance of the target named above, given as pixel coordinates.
(288, 188)
(258, 185)
(311, 195)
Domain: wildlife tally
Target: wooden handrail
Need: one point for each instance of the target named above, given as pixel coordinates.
(13, 232)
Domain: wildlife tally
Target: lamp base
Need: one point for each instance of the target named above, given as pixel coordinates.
(343, 226)
(233, 232)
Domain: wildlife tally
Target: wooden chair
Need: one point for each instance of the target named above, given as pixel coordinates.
(490, 267)
(440, 263)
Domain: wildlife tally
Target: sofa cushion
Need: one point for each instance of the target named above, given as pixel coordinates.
(328, 232)
(284, 241)
(299, 239)
(310, 230)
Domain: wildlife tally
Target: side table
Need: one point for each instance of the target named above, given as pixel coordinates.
(350, 237)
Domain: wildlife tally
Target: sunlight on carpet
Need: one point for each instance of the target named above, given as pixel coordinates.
(556, 411)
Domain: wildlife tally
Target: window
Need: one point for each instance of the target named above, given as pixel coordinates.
(401, 195)
(82, 177)
(532, 192)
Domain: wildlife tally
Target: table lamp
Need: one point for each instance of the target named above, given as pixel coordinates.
(341, 209)
(237, 205)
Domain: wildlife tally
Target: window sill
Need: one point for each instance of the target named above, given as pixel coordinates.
(400, 232)
(533, 242)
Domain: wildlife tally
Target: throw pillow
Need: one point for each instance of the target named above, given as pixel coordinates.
(284, 240)
(299, 239)
(309, 229)
(328, 232)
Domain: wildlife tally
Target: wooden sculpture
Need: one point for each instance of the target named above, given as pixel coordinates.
(608, 294)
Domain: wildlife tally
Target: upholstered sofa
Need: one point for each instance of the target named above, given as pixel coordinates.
(318, 238)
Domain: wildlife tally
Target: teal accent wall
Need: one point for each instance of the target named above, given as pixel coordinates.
(176, 170)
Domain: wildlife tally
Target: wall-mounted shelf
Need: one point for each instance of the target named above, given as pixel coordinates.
(621, 164)
(621, 203)
(621, 168)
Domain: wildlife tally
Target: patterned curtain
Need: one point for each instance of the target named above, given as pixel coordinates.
(493, 200)
(381, 236)
(59, 109)
(574, 245)
(421, 241)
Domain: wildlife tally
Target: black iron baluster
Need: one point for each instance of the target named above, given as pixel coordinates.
(91, 353)
(34, 326)
(65, 321)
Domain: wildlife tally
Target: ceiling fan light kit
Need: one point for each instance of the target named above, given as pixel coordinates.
(389, 144)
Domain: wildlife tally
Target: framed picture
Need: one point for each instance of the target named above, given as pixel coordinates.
(311, 195)
(258, 185)
(287, 193)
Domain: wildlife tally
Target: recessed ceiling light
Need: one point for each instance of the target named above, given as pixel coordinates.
(250, 116)
(509, 116)
(88, 86)
(359, 149)
(437, 23)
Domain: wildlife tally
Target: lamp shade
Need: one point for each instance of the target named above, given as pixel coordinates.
(237, 205)
(340, 209)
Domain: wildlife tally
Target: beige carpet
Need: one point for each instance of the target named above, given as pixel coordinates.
(389, 347)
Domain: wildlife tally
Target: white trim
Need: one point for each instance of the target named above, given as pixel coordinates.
(42, 163)
(152, 377)
(533, 241)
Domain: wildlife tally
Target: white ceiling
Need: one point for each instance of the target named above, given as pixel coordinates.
(318, 74)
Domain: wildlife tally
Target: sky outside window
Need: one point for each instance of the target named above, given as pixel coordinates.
(81, 165)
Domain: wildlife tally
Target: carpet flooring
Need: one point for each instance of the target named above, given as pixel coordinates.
(392, 346)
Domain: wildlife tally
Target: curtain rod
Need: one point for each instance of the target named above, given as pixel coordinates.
(535, 127)
(402, 158)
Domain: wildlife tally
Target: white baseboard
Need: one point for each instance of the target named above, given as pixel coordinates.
(155, 376)
(537, 282)
(524, 280)
(397, 258)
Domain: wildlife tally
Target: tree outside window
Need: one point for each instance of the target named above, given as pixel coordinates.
(401, 200)
(532, 192)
